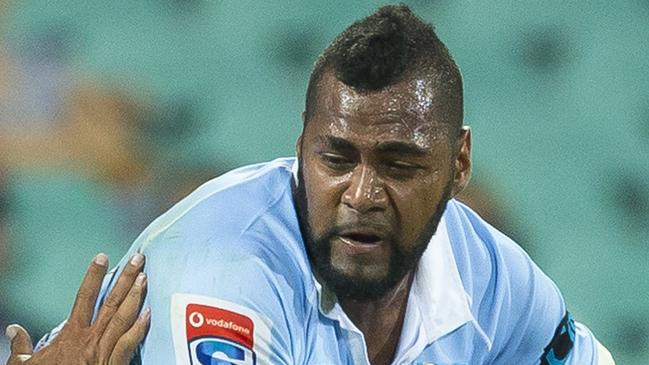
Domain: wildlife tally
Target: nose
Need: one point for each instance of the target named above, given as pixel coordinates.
(366, 191)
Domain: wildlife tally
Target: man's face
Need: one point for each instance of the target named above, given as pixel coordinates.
(376, 171)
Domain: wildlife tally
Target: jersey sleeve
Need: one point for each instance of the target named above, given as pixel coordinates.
(222, 300)
(518, 307)
(535, 327)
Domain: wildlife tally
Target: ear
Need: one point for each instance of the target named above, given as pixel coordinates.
(462, 162)
(298, 143)
(298, 146)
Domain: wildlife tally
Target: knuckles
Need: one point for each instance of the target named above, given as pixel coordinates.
(120, 321)
(90, 354)
(111, 303)
(86, 294)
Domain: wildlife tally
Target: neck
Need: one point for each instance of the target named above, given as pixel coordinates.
(380, 320)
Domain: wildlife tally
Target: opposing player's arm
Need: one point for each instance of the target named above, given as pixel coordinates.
(111, 338)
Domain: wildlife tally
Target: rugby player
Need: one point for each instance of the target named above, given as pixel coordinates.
(355, 252)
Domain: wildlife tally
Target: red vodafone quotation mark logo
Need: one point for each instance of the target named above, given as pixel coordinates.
(196, 319)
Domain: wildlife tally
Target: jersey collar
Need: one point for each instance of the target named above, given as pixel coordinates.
(438, 292)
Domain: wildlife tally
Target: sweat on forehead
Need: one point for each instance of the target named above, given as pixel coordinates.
(403, 112)
(415, 102)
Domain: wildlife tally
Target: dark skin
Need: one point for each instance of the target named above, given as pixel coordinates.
(387, 158)
(111, 339)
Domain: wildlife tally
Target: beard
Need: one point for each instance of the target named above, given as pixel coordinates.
(402, 261)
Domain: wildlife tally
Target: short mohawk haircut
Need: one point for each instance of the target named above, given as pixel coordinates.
(384, 48)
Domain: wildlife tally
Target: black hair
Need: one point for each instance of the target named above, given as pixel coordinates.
(388, 46)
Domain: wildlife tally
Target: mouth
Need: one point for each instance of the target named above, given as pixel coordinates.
(358, 243)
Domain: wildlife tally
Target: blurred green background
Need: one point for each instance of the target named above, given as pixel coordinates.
(555, 91)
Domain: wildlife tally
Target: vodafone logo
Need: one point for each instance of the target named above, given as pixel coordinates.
(203, 321)
(196, 319)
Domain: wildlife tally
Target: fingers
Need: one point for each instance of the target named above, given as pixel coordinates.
(124, 318)
(119, 292)
(21, 343)
(84, 304)
(127, 344)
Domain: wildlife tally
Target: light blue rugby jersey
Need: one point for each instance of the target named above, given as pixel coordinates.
(229, 279)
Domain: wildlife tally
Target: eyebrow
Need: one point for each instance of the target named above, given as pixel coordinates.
(337, 143)
(388, 147)
(401, 148)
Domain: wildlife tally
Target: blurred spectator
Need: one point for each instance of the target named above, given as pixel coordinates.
(101, 132)
(78, 175)
(96, 132)
(76, 189)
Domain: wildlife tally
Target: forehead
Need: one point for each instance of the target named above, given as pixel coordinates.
(404, 111)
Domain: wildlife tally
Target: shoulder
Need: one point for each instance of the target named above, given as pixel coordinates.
(244, 219)
(225, 205)
(236, 237)
(512, 299)
(232, 246)
(487, 257)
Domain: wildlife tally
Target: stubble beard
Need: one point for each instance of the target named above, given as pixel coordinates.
(401, 262)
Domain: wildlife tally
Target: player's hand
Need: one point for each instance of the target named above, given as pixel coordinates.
(110, 340)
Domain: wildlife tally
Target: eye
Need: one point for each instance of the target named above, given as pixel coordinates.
(402, 168)
(336, 161)
(402, 165)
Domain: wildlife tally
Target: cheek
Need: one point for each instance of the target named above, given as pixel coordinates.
(415, 204)
(323, 193)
